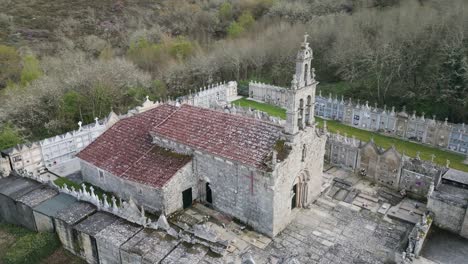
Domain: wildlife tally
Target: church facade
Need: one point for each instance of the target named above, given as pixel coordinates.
(255, 171)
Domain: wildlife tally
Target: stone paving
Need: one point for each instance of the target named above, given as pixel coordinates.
(330, 231)
(335, 234)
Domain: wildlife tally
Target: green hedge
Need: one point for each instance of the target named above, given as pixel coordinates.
(31, 248)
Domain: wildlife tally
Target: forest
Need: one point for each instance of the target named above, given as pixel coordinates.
(63, 61)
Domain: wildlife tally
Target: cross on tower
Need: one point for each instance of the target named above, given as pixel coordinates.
(252, 179)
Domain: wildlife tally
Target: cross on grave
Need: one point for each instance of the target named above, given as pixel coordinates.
(252, 179)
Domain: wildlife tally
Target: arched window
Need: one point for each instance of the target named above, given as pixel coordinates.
(300, 118)
(308, 110)
(306, 68)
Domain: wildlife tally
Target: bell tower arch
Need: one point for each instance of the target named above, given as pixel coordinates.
(301, 101)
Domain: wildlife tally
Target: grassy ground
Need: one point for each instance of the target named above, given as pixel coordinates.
(409, 148)
(270, 109)
(17, 240)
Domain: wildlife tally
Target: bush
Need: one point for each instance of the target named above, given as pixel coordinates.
(31, 248)
(246, 20)
(9, 137)
(31, 69)
(10, 65)
(235, 30)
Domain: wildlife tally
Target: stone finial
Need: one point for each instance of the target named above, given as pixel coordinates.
(404, 109)
(446, 121)
(294, 82)
(320, 93)
(447, 164)
(114, 203)
(433, 117)
(433, 157)
(414, 114)
(97, 121)
(422, 116)
(80, 124)
(305, 37)
(393, 109)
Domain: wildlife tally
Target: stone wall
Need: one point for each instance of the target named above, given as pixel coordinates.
(385, 167)
(53, 152)
(410, 126)
(449, 213)
(150, 197)
(5, 168)
(303, 168)
(219, 94)
(269, 94)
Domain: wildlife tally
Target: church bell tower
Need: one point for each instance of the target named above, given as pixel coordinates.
(301, 95)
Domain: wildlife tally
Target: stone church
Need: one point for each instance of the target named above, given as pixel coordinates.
(255, 171)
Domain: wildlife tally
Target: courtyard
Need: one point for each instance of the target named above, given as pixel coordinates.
(349, 223)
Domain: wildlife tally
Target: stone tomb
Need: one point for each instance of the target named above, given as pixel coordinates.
(148, 246)
(45, 212)
(86, 232)
(26, 203)
(66, 219)
(186, 253)
(11, 189)
(111, 238)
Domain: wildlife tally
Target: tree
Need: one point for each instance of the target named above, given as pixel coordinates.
(10, 65)
(181, 48)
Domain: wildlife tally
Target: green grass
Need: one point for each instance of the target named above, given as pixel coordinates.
(98, 191)
(270, 109)
(28, 247)
(409, 148)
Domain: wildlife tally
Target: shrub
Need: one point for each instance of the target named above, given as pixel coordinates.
(9, 136)
(225, 12)
(31, 69)
(235, 30)
(31, 248)
(246, 20)
(10, 65)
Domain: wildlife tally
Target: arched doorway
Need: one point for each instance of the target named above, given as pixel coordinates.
(300, 190)
(209, 198)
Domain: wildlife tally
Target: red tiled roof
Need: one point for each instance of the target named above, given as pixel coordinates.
(234, 137)
(126, 150)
